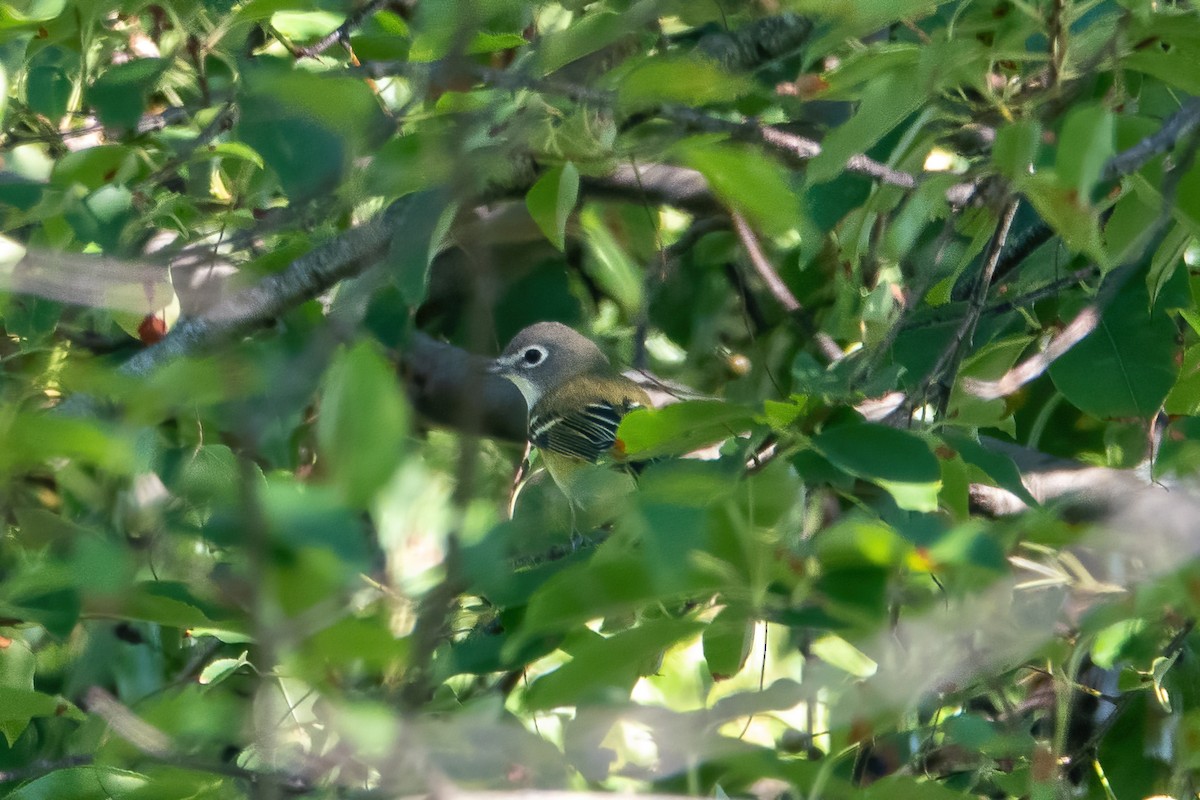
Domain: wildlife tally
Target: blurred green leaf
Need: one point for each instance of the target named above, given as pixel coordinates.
(678, 79)
(308, 128)
(1070, 214)
(609, 263)
(552, 199)
(727, 641)
(885, 103)
(1086, 142)
(1015, 150)
(119, 94)
(82, 783)
(362, 424)
(750, 182)
(601, 663)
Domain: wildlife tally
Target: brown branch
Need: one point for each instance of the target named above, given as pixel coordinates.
(780, 290)
(304, 279)
(660, 183)
(1084, 323)
(437, 375)
(1178, 125)
(341, 33)
(955, 350)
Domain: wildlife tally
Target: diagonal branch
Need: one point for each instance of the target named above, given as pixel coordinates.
(1176, 127)
(780, 290)
(305, 278)
(955, 350)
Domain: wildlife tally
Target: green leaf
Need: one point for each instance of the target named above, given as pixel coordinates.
(837, 652)
(1016, 148)
(1179, 453)
(413, 162)
(19, 706)
(1127, 365)
(593, 32)
(599, 663)
(95, 167)
(50, 79)
(748, 180)
(590, 590)
(82, 783)
(1069, 213)
(17, 664)
(34, 438)
(551, 199)
(416, 242)
(727, 641)
(219, 669)
(1085, 143)
(681, 427)
(608, 263)
(1184, 397)
(119, 94)
(308, 128)
(687, 79)
(362, 424)
(903, 787)
(895, 460)
(996, 466)
(886, 102)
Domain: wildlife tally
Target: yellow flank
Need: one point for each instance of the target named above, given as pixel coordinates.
(616, 389)
(593, 490)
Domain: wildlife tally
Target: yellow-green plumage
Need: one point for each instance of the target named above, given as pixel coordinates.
(576, 403)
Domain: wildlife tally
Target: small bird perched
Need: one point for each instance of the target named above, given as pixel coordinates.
(576, 401)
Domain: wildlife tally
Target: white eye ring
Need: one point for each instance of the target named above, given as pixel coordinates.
(532, 356)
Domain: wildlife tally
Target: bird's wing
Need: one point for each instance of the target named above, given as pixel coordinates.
(588, 433)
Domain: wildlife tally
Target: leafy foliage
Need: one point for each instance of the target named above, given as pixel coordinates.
(923, 264)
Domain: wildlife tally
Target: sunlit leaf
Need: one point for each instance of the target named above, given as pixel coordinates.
(551, 199)
(896, 460)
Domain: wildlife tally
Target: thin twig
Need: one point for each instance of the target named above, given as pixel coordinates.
(303, 280)
(342, 31)
(1177, 126)
(1084, 323)
(955, 350)
(1087, 319)
(780, 290)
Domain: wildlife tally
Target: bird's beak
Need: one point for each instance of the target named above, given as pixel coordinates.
(497, 367)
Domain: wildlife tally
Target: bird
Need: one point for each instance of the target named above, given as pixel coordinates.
(576, 401)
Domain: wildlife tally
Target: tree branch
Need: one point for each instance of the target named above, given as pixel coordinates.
(780, 290)
(954, 351)
(1177, 126)
(304, 279)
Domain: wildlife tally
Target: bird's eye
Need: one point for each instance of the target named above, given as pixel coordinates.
(533, 356)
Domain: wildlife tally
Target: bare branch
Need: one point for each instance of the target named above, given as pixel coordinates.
(1084, 323)
(955, 350)
(660, 183)
(1177, 126)
(342, 32)
(304, 279)
(780, 290)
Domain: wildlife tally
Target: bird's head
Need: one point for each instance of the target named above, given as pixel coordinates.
(544, 356)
